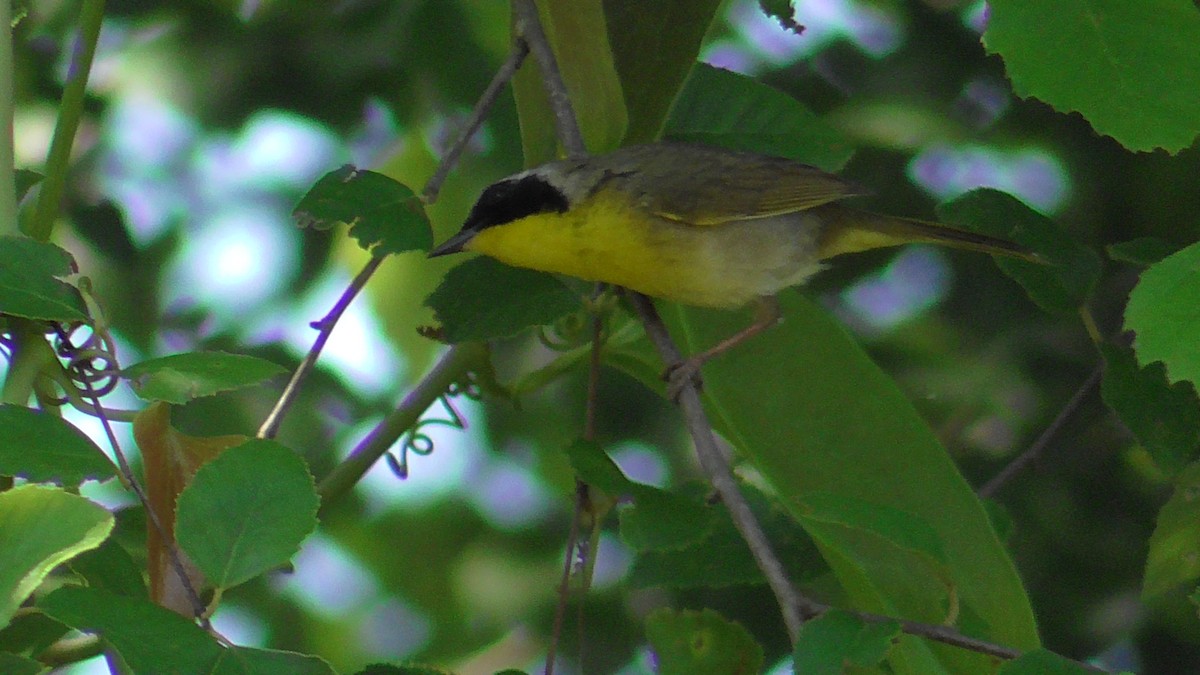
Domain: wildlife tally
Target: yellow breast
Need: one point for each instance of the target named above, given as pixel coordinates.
(606, 238)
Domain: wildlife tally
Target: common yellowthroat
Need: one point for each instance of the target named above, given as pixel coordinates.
(692, 223)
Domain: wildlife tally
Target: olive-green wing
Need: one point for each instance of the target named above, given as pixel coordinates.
(714, 187)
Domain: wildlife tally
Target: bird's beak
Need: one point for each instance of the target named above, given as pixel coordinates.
(454, 244)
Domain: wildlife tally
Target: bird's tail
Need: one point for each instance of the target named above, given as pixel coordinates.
(849, 230)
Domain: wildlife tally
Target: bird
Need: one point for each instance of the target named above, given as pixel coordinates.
(691, 223)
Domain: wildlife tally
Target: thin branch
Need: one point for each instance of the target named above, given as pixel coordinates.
(794, 606)
(529, 27)
(482, 108)
(270, 426)
(564, 581)
(457, 360)
(199, 611)
(791, 603)
(594, 363)
(948, 635)
(581, 488)
(1036, 449)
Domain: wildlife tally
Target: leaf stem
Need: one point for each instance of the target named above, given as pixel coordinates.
(8, 194)
(70, 110)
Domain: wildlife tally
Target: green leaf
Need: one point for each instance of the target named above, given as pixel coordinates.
(1131, 68)
(721, 558)
(1164, 313)
(45, 448)
(594, 467)
(701, 642)
(1165, 418)
(111, 568)
(1043, 662)
(576, 31)
(52, 526)
(723, 108)
(29, 284)
(180, 378)
(837, 639)
(31, 633)
(25, 180)
(384, 215)
(1174, 557)
(1144, 251)
(1063, 284)
(658, 519)
(898, 527)
(250, 661)
(482, 299)
(246, 512)
(843, 427)
(150, 638)
(11, 664)
(654, 45)
(886, 546)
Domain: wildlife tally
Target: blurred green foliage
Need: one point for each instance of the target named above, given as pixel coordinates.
(439, 575)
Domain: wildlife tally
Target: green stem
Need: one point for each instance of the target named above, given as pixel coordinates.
(8, 195)
(23, 368)
(70, 110)
(29, 356)
(450, 369)
(71, 650)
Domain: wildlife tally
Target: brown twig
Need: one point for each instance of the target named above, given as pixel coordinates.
(199, 611)
(794, 606)
(529, 30)
(529, 27)
(948, 635)
(516, 56)
(581, 488)
(564, 581)
(1035, 450)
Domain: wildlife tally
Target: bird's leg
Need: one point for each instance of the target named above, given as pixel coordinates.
(678, 375)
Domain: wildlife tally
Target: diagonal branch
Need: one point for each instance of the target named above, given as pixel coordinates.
(714, 465)
(483, 107)
(1035, 450)
(794, 606)
(529, 27)
(270, 426)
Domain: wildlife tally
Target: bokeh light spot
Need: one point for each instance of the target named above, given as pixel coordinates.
(917, 279)
(327, 580)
